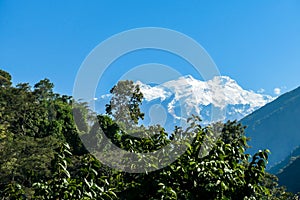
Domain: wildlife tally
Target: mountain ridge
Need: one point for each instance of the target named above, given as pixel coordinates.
(275, 126)
(218, 99)
(220, 92)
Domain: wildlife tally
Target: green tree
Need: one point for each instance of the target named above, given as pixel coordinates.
(85, 184)
(124, 104)
(5, 79)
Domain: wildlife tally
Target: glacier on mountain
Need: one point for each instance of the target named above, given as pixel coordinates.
(218, 99)
(199, 97)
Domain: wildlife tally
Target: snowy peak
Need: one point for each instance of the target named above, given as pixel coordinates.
(197, 97)
(226, 91)
(156, 92)
(220, 91)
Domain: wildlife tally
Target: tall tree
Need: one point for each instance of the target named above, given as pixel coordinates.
(125, 103)
(5, 79)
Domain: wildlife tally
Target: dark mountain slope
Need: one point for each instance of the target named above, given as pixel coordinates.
(278, 168)
(290, 176)
(276, 126)
(288, 171)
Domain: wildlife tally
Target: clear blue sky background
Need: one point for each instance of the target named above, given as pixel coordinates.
(257, 43)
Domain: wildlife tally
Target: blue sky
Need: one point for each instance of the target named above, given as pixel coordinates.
(257, 43)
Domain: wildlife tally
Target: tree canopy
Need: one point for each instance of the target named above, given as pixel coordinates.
(42, 155)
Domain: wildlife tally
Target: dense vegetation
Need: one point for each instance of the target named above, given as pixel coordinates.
(42, 155)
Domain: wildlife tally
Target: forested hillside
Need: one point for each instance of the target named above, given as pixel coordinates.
(290, 175)
(278, 168)
(42, 155)
(288, 171)
(276, 126)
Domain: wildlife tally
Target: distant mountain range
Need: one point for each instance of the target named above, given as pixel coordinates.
(271, 123)
(220, 98)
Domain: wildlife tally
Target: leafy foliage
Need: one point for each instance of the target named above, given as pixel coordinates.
(124, 104)
(42, 157)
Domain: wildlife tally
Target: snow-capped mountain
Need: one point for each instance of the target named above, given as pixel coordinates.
(220, 98)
